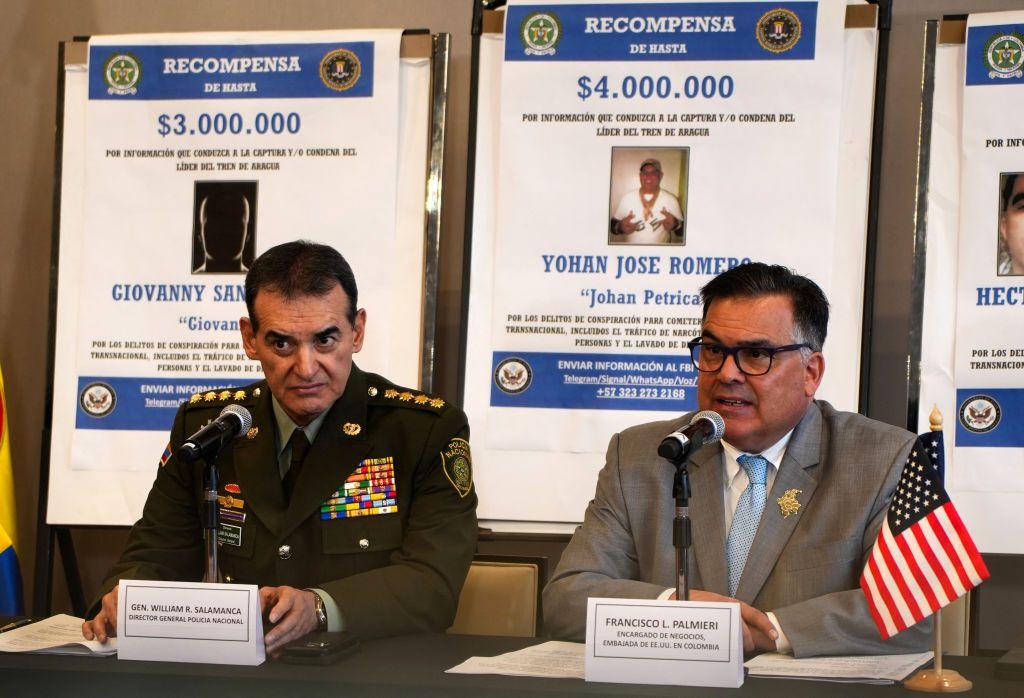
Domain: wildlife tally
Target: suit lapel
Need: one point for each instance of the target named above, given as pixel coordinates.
(255, 463)
(333, 455)
(707, 516)
(802, 453)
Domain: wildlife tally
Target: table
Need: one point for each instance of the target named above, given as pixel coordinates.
(409, 665)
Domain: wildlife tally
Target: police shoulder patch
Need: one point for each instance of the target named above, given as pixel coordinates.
(458, 465)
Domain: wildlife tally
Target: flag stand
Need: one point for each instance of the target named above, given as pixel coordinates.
(937, 679)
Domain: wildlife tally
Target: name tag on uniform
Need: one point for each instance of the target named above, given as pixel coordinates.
(681, 643)
(189, 622)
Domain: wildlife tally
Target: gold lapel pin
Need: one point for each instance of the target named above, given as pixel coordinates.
(251, 434)
(788, 503)
(351, 429)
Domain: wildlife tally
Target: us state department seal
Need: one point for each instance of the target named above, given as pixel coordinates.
(980, 414)
(340, 69)
(97, 399)
(458, 465)
(1004, 56)
(513, 375)
(540, 33)
(122, 72)
(778, 30)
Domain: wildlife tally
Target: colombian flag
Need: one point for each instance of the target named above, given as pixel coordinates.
(11, 603)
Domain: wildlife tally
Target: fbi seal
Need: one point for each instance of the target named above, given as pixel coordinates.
(778, 30)
(340, 69)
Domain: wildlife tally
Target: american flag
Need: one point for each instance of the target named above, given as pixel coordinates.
(924, 558)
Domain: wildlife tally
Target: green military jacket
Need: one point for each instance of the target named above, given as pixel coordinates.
(389, 573)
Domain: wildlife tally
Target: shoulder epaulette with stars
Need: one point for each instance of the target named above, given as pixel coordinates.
(220, 397)
(401, 397)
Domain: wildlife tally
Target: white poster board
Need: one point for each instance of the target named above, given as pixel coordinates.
(545, 383)
(117, 285)
(962, 333)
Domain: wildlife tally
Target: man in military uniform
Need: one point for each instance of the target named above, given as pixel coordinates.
(349, 502)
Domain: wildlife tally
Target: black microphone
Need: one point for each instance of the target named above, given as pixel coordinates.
(706, 427)
(232, 422)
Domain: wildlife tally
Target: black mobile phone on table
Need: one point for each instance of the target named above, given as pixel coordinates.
(320, 648)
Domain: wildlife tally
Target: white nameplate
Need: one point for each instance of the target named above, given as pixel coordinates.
(189, 622)
(681, 643)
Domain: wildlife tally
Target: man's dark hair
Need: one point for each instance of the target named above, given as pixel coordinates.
(300, 268)
(755, 279)
(1009, 181)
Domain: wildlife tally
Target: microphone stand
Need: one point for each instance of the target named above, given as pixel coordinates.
(206, 445)
(210, 517)
(681, 534)
(676, 449)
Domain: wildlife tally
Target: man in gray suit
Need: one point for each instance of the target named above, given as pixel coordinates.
(785, 510)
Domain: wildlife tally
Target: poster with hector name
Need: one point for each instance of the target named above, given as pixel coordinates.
(989, 354)
(645, 148)
(201, 152)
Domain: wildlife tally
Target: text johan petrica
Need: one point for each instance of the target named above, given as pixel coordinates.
(181, 613)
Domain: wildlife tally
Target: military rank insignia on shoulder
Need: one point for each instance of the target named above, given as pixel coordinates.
(223, 396)
(458, 465)
(408, 398)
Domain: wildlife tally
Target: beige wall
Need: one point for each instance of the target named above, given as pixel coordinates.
(29, 33)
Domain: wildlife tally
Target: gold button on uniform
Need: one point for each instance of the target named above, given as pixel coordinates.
(364, 543)
(284, 552)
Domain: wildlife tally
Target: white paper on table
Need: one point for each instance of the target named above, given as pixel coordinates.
(550, 660)
(874, 669)
(60, 634)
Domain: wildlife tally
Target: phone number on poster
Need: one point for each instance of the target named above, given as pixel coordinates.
(218, 124)
(662, 87)
(642, 393)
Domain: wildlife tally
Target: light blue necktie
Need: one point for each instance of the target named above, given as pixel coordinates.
(746, 518)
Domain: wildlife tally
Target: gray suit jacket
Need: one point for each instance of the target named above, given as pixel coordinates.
(805, 568)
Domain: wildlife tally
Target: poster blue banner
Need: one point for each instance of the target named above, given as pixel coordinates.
(995, 55)
(711, 31)
(242, 71)
(990, 417)
(593, 381)
(139, 404)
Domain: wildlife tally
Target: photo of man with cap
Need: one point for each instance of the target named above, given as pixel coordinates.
(648, 215)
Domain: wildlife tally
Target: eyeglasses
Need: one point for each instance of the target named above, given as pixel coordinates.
(753, 361)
